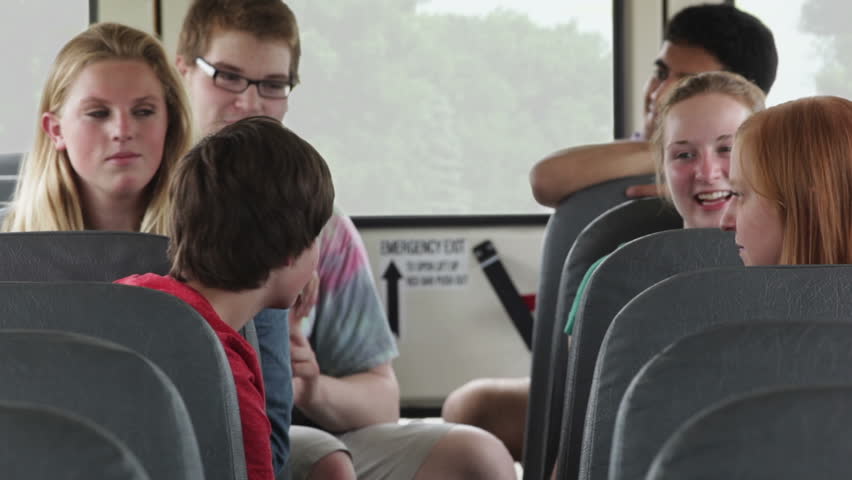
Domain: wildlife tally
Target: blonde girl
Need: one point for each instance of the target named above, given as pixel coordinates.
(113, 123)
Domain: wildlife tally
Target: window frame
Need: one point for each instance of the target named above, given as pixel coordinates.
(620, 128)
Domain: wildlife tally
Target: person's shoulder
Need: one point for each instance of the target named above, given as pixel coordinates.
(339, 225)
(241, 355)
(182, 291)
(338, 217)
(149, 280)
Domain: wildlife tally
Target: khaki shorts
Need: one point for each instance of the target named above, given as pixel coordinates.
(385, 451)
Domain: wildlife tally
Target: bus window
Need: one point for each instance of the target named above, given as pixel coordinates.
(814, 46)
(33, 35)
(441, 107)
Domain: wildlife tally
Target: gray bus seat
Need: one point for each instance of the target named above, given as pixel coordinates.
(717, 364)
(620, 224)
(689, 303)
(38, 442)
(7, 188)
(627, 272)
(159, 326)
(249, 332)
(8, 175)
(110, 385)
(567, 221)
(779, 435)
(93, 256)
(89, 256)
(10, 163)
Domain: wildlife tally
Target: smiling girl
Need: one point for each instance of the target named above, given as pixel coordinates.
(692, 142)
(694, 138)
(113, 122)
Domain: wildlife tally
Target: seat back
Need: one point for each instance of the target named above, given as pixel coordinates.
(709, 367)
(688, 303)
(38, 442)
(108, 384)
(628, 271)
(162, 328)
(565, 224)
(9, 163)
(80, 256)
(620, 224)
(779, 435)
(86, 256)
(571, 216)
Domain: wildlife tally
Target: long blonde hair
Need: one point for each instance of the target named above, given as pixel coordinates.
(799, 156)
(724, 83)
(46, 196)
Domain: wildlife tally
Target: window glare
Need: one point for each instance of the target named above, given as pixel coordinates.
(28, 57)
(813, 41)
(442, 107)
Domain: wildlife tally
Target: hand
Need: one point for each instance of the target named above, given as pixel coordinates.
(307, 299)
(639, 191)
(306, 371)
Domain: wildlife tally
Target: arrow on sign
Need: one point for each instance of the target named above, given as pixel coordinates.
(392, 276)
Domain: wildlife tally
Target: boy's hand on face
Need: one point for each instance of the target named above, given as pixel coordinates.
(306, 371)
(307, 299)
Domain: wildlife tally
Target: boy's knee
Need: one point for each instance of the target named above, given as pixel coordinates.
(467, 404)
(473, 453)
(485, 402)
(334, 466)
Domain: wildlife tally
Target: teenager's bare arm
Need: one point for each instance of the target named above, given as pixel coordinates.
(576, 168)
(351, 402)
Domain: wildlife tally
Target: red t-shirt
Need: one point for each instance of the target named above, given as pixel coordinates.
(244, 366)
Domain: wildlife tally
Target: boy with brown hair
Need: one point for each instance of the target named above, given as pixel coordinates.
(240, 58)
(223, 44)
(249, 202)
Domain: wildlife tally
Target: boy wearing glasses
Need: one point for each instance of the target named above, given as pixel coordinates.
(222, 44)
(240, 58)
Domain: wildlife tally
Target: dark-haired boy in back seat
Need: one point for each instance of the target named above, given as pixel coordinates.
(249, 202)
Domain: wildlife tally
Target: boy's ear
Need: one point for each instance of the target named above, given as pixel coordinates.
(50, 125)
(182, 66)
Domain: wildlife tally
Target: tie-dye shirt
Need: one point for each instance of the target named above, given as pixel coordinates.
(352, 334)
(348, 327)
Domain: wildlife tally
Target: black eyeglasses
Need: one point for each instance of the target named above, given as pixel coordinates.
(236, 83)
